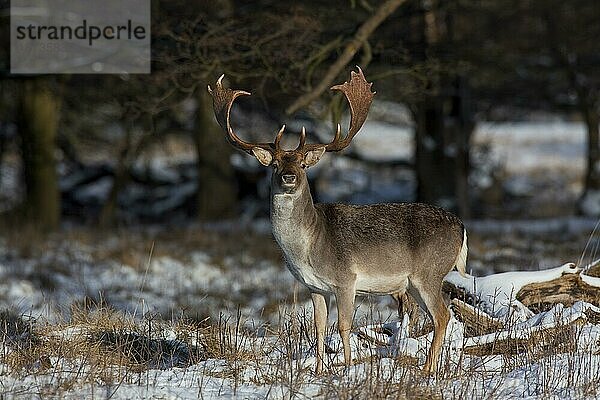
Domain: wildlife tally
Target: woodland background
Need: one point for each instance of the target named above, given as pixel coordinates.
(446, 65)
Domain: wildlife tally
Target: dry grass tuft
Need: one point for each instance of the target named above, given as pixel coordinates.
(22, 343)
(106, 344)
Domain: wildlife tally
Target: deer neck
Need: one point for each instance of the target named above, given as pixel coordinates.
(294, 221)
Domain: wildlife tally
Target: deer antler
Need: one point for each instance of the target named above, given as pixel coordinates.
(358, 93)
(222, 102)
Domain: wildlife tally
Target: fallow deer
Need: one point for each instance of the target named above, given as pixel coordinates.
(349, 249)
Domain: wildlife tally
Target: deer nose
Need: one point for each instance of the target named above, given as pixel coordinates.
(288, 179)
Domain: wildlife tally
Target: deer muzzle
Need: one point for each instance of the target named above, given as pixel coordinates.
(288, 179)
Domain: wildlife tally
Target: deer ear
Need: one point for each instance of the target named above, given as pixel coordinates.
(263, 156)
(313, 156)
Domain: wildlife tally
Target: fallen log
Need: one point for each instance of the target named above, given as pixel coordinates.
(561, 338)
(529, 293)
(593, 269)
(476, 322)
(536, 290)
(568, 289)
(539, 313)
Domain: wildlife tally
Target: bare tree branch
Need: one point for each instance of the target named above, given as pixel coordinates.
(360, 37)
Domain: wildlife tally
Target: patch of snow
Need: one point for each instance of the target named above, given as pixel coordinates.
(382, 141)
(498, 292)
(590, 203)
(591, 280)
(390, 112)
(519, 186)
(524, 146)
(160, 169)
(12, 189)
(96, 191)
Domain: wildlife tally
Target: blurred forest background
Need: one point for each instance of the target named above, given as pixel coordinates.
(119, 150)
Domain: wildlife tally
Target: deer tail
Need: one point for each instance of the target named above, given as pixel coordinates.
(461, 258)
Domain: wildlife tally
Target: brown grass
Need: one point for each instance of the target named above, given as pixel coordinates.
(101, 346)
(107, 342)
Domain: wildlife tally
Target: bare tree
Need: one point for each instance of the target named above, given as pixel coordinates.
(575, 53)
(217, 194)
(548, 50)
(264, 47)
(441, 108)
(38, 123)
(359, 39)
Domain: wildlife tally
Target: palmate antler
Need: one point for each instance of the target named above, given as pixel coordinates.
(357, 91)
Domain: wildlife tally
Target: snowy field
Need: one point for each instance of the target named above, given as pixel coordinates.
(210, 311)
(203, 313)
(101, 353)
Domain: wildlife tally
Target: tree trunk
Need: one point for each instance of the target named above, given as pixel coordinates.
(442, 155)
(462, 118)
(589, 203)
(131, 146)
(108, 213)
(217, 192)
(443, 120)
(434, 168)
(38, 123)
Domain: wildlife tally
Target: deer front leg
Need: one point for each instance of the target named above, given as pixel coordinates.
(321, 309)
(345, 306)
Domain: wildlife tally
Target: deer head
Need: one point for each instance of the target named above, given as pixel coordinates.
(289, 166)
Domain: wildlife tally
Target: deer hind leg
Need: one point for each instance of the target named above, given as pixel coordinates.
(345, 306)
(321, 308)
(406, 306)
(430, 298)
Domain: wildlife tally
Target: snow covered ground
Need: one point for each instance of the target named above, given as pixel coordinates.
(177, 359)
(67, 273)
(270, 352)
